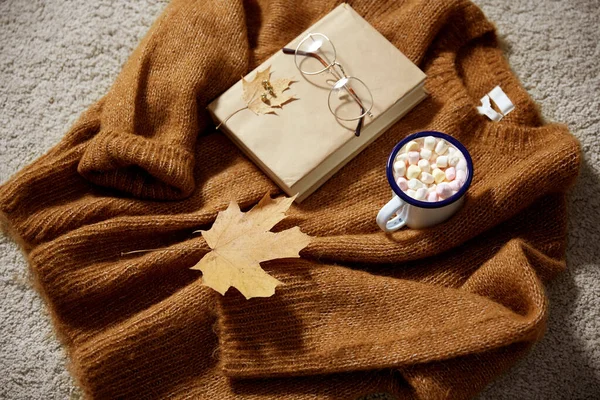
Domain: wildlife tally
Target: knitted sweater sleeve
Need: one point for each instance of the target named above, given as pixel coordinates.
(150, 119)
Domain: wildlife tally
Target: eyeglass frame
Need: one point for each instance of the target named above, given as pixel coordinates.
(330, 68)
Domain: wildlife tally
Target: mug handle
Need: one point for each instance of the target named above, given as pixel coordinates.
(384, 215)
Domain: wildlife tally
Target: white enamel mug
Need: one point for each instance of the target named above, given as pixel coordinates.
(403, 210)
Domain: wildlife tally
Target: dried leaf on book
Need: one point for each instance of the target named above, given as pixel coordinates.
(253, 91)
(241, 241)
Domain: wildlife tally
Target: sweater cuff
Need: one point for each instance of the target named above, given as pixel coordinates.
(138, 166)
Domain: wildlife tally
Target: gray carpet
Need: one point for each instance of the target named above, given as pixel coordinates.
(57, 57)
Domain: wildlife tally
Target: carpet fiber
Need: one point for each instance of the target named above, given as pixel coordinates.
(57, 57)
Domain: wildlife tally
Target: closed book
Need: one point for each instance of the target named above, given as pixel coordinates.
(304, 143)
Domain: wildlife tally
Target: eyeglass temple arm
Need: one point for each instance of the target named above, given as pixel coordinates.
(287, 50)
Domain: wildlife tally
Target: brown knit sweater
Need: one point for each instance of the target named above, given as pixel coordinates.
(428, 314)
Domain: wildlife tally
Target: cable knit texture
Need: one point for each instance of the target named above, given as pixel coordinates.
(428, 314)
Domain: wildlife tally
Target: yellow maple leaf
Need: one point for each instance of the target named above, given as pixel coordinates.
(253, 90)
(241, 241)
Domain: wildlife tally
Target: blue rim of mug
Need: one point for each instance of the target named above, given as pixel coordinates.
(427, 204)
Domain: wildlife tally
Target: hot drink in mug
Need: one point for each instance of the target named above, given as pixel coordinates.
(429, 173)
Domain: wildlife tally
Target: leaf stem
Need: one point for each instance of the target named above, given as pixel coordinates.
(124, 253)
(227, 119)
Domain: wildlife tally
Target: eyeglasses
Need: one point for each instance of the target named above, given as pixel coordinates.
(349, 99)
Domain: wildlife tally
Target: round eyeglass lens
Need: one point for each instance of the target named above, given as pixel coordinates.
(314, 54)
(350, 99)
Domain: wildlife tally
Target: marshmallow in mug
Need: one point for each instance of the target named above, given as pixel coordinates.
(430, 169)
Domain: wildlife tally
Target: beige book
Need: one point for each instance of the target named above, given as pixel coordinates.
(305, 144)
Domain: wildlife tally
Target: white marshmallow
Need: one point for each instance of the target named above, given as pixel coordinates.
(413, 172)
(429, 142)
(441, 147)
(451, 150)
(424, 165)
(411, 193)
(462, 165)
(421, 194)
(402, 157)
(450, 174)
(425, 154)
(433, 166)
(413, 157)
(426, 178)
(438, 175)
(442, 161)
(455, 185)
(400, 168)
(461, 176)
(402, 183)
(415, 184)
(432, 188)
(443, 190)
(432, 197)
(453, 160)
(411, 146)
